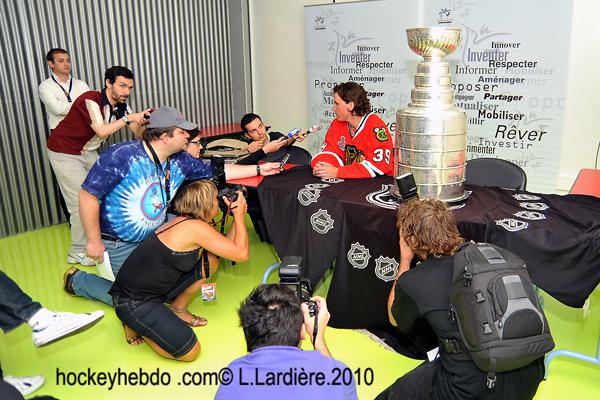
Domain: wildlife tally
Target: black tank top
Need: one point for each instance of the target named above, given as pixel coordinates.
(152, 269)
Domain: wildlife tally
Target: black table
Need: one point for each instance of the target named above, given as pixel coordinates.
(347, 223)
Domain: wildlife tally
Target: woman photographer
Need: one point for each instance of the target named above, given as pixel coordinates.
(171, 266)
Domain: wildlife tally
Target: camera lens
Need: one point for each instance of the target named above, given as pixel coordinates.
(312, 308)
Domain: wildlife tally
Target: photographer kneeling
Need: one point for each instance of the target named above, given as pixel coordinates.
(275, 322)
(171, 266)
(420, 298)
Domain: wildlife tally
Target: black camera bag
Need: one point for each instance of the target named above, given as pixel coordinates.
(501, 322)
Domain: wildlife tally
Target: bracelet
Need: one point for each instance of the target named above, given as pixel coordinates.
(258, 170)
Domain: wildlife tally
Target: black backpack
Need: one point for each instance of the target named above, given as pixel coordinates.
(501, 323)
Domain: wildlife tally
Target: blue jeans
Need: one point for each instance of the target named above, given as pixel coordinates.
(15, 306)
(8, 392)
(94, 287)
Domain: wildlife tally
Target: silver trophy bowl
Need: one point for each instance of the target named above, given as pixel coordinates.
(433, 42)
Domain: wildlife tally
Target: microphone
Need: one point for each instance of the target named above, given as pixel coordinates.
(293, 132)
(314, 128)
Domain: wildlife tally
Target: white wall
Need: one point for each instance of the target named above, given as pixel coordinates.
(279, 76)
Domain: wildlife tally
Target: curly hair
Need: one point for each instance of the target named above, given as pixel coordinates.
(353, 92)
(196, 200)
(428, 227)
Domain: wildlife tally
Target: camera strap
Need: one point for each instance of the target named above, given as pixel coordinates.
(205, 264)
(316, 329)
(166, 173)
(208, 289)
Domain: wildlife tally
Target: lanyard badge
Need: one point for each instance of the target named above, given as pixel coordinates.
(209, 291)
(67, 94)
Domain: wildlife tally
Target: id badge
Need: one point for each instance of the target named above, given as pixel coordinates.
(209, 291)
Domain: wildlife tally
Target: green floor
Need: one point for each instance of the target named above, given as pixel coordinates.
(36, 261)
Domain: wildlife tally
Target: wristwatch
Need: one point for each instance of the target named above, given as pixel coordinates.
(126, 120)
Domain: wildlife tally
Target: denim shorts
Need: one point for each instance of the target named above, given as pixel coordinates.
(152, 319)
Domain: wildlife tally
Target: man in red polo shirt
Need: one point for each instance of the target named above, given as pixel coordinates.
(93, 117)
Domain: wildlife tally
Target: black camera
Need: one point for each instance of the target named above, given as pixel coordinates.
(230, 193)
(406, 188)
(225, 190)
(290, 275)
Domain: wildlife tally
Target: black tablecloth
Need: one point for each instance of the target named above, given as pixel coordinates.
(348, 222)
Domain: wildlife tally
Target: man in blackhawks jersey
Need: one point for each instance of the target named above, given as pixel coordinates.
(358, 143)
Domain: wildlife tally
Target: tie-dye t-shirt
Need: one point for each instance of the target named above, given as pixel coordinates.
(130, 187)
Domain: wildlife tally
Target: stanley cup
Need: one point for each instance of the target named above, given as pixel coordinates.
(431, 136)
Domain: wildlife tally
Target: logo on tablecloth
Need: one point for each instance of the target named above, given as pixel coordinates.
(321, 221)
(534, 206)
(382, 198)
(316, 185)
(531, 215)
(310, 193)
(332, 180)
(525, 197)
(358, 256)
(512, 225)
(386, 268)
(307, 196)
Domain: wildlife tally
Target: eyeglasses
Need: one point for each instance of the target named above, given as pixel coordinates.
(197, 142)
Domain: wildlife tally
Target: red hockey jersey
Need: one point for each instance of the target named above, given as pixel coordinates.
(367, 153)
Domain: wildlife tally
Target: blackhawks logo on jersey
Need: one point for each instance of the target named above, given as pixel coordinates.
(353, 154)
(380, 134)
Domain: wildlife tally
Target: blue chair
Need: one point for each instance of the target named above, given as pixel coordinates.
(573, 354)
(269, 270)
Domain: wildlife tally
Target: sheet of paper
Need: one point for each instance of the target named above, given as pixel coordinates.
(433, 354)
(105, 269)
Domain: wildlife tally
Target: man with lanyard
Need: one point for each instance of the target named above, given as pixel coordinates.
(126, 195)
(60, 90)
(57, 94)
(92, 118)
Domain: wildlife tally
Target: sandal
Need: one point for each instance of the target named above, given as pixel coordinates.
(196, 320)
(133, 339)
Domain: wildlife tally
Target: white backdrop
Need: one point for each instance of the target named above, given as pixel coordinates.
(509, 71)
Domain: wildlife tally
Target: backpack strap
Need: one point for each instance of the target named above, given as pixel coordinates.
(491, 376)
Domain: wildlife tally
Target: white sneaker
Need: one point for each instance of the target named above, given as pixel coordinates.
(64, 324)
(25, 384)
(80, 258)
